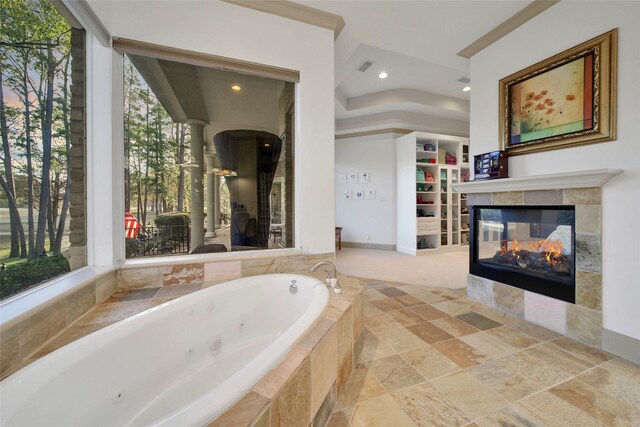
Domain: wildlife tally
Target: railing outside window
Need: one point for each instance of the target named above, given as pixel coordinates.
(159, 241)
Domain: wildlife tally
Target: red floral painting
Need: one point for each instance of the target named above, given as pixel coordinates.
(567, 99)
(553, 103)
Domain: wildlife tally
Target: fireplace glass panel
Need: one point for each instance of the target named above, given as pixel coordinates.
(537, 242)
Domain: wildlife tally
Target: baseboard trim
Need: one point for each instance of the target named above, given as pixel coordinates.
(377, 246)
(621, 345)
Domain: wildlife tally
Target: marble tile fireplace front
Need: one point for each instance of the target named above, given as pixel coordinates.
(578, 312)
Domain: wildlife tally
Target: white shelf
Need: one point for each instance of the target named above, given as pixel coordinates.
(407, 161)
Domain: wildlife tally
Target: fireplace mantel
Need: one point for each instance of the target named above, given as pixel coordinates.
(580, 179)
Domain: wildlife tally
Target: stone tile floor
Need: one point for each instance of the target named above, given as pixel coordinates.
(432, 357)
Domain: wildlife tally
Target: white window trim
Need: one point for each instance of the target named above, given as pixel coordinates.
(182, 55)
(100, 223)
(81, 10)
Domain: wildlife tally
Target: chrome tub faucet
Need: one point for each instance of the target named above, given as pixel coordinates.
(332, 274)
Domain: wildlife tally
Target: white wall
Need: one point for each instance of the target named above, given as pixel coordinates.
(367, 221)
(561, 27)
(227, 30)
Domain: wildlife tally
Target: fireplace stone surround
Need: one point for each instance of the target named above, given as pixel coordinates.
(583, 320)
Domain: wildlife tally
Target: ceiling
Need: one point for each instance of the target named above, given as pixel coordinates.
(194, 92)
(416, 42)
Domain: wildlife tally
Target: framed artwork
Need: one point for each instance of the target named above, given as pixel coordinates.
(359, 195)
(353, 177)
(364, 177)
(347, 194)
(566, 100)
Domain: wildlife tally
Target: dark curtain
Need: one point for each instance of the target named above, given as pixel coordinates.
(230, 146)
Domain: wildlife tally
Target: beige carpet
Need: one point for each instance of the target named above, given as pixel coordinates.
(443, 269)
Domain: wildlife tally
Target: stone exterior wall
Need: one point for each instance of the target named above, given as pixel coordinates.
(77, 156)
(581, 321)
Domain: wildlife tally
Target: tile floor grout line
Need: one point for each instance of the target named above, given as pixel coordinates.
(579, 356)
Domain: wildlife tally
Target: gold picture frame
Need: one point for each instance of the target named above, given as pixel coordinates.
(566, 100)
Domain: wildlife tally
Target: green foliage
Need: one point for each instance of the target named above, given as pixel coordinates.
(173, 228)
(172, 219)
(18, 277)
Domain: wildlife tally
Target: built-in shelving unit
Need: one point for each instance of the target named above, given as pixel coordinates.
(429, 209)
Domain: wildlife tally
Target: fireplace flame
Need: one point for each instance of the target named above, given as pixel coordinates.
(552, 248)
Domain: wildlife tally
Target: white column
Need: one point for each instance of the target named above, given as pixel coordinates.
(211, 198)
(216, 201)
(197, 185)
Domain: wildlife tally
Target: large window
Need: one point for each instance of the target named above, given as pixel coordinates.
(42, 122)
(208, 159)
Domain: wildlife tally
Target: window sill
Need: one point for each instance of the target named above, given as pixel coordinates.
(20, 306)
(206, 258)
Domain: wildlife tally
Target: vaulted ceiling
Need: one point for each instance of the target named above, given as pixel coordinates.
(417, 44)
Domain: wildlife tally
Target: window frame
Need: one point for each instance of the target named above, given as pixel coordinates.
(122, 46)
(102, 262)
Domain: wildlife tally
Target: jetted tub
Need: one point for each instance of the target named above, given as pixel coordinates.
(182, 363)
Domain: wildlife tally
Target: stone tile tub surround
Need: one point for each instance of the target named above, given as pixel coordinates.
(57, 321)
(327, 349)
(318, 364)
(582, 320)
(303, 389)
(20, 341)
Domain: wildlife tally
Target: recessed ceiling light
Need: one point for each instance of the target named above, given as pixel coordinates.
(383, 75)
(466, 88)
(236, 88)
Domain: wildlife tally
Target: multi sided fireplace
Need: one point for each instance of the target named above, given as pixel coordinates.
(529, 247)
